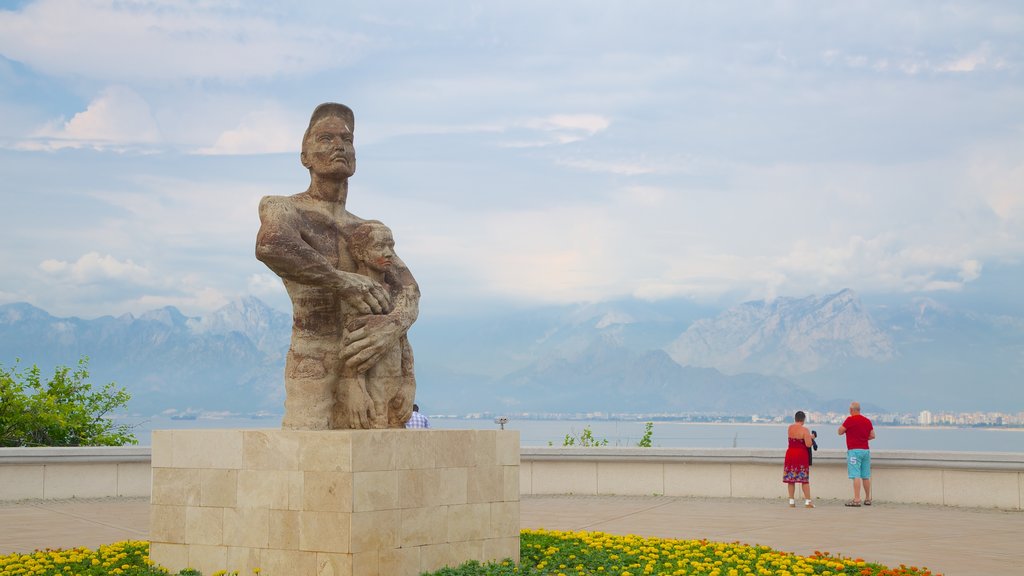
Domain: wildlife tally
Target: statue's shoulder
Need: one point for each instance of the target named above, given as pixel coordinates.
(277, 206)
(275, 201)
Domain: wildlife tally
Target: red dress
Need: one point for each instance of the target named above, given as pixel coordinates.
(796, 470)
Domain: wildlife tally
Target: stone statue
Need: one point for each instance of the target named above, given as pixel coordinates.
(350, 365)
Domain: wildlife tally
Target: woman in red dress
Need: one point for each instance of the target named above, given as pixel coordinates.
(796, 469)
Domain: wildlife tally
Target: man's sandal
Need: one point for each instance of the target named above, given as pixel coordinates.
(867, 502)
(853, 504)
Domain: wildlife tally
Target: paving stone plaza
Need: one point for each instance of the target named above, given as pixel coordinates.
(951, 541)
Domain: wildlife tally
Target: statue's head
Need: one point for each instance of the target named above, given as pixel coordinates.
(330, 124)
(372, 244)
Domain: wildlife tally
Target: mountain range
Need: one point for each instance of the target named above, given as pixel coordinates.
(629, 355)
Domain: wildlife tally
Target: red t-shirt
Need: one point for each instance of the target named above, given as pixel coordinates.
(858, 428)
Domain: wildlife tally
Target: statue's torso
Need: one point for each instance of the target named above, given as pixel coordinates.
(318, 311)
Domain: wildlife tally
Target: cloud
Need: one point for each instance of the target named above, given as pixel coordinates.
(6, 297)
(267, 131)
(265, 284)
(373, 132)
(162, 40)
(92, 268)
(204, 299)
(970, 270)
(630, 167)
(981, 58)
(116, 119)
(879, 264)
(558, 129)
(996, 170)
(588, 124)
(97, 284)
(978, 59)
(621, 168)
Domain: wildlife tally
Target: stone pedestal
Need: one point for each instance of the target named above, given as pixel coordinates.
(333, 503)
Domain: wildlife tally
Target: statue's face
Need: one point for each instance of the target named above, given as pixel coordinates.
(380, 249)
(329, 150)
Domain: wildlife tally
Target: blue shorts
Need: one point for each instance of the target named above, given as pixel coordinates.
(858, 463)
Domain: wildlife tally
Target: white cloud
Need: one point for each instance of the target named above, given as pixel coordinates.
(996, 170)
(161, 40)
(115, 119)
(92, 267)
(204, 299)
(558, 129)
(588, 124)
(264, 285)
(970, 270)
(6, 297)
(646, 195)
(622, 168)
(179, 213)
(373, 132)
(267, 131)
(981, 58)
(631, 166)
(977, 59)
(96, 284)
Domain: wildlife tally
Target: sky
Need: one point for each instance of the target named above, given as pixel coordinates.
(526, 152)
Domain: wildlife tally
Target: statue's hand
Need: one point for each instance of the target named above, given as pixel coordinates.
(366, 339)
(364, 295)
(360, 410)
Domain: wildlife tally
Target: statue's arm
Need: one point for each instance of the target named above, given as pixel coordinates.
(280, 245)
(369, 336)
(406, 303)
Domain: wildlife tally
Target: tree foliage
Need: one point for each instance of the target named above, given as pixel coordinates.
(62, 411)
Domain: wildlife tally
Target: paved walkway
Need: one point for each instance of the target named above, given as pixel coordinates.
(952, 541)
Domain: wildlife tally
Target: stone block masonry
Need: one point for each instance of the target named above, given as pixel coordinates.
(333, 503)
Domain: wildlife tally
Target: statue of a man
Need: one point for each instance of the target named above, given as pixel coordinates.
(344, 322)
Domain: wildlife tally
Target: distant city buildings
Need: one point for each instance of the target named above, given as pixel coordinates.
(929, 418)
(922, 418)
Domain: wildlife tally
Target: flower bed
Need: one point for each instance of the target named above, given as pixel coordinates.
(543, 552)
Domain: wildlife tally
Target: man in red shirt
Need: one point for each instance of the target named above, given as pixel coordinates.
(858, 431)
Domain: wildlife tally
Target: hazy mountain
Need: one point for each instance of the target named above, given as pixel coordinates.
(158, 356)
(268, 329)
(608, 377)
(627, 355)
(498, 342)
(946, 359)
(786, 336)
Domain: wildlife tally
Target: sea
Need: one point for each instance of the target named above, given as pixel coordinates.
(667, 434)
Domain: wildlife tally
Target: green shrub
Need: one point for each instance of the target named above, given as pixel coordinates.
(61, 411)
(585, 439)
(645, 442)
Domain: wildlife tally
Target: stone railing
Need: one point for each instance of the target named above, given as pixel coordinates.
(85, 472)
(971, 479)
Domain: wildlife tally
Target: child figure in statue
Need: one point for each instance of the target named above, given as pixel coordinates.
(390, 383)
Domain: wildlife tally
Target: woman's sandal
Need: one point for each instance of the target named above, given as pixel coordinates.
(867, 502)
(853, 504)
